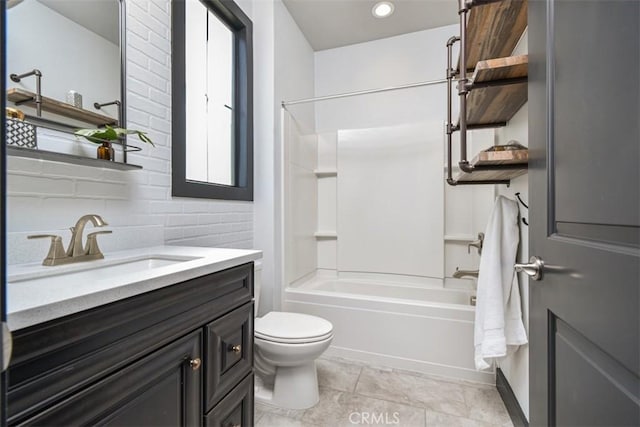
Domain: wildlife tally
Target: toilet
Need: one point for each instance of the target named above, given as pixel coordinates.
(286, 348)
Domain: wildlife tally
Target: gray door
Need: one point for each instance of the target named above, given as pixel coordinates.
(584, 198)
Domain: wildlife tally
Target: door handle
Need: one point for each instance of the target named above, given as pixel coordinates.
(534, 269)
(7, 345)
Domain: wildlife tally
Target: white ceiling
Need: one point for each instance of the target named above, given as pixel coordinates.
(334, 23)
(101, 17)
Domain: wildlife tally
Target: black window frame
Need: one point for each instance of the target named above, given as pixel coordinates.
(239, 23)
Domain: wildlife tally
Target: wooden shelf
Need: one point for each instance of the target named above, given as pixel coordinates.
(491, 175)
(504, 157)
(25, 97)
(68, 158)
(494, 29)
(499, 89)
(497, 166)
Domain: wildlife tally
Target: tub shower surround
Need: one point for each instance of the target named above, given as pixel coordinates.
(370, 254)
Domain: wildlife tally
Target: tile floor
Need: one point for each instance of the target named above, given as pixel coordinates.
(353, 394)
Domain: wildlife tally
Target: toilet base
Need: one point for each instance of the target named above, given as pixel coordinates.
(294, 387)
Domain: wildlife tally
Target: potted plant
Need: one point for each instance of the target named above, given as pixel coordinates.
(105, 136)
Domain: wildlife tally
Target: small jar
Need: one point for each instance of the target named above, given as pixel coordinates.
(106, 151)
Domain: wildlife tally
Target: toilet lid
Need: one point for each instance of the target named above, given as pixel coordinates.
(292, 327)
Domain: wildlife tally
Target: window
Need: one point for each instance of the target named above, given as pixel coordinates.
(212, 137)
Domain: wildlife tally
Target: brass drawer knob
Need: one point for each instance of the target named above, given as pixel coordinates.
(236, 348)
(195, 363)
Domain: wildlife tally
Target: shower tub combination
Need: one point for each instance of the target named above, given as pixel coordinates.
(421, 327)
(365, 250)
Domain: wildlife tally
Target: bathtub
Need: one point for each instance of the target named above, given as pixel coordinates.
(421, 327)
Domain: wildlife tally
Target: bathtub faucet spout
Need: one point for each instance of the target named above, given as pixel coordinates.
(459, 274)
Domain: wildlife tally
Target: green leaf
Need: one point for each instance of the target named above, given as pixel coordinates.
(109, 133)
(97, 136)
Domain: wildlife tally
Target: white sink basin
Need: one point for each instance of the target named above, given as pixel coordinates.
(95, 270)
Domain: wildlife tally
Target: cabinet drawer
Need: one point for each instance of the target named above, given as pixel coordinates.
(236, 409)
(229, 352)
(160, 389)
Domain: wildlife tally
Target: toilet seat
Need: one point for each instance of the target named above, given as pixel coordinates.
(308, 340)
(292, 328)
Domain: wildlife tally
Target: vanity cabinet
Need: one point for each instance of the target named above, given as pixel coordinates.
(179, 355)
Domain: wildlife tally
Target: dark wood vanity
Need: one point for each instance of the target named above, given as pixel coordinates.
(179, 355)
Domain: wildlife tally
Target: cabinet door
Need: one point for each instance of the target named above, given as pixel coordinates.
(236, 409)
(229, 342)
(162, 389)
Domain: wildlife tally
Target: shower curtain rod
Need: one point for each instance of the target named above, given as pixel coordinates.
(363, 92)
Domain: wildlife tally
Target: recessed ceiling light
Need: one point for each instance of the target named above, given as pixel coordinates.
(382, 9)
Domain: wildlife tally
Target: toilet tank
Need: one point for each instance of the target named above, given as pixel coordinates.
(257, 284)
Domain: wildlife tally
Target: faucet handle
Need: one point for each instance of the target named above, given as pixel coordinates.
(92, 243)
(56, 250)
(476, 244)
(44, 236)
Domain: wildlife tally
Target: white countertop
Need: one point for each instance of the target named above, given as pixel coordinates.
(32, 303)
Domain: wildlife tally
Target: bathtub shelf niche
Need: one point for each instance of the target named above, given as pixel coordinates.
(325, 173)
(459, 238)
(325, 234)
(495, 91)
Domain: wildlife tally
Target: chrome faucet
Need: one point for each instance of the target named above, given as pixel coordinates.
(459, 274)
(76, 252)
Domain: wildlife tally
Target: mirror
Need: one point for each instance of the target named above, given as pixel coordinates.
(212, 139)
(209, 84)
(75, 44)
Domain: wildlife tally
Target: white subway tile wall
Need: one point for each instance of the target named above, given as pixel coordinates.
(48, 197)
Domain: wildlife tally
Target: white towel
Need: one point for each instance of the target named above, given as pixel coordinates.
(498, 323)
